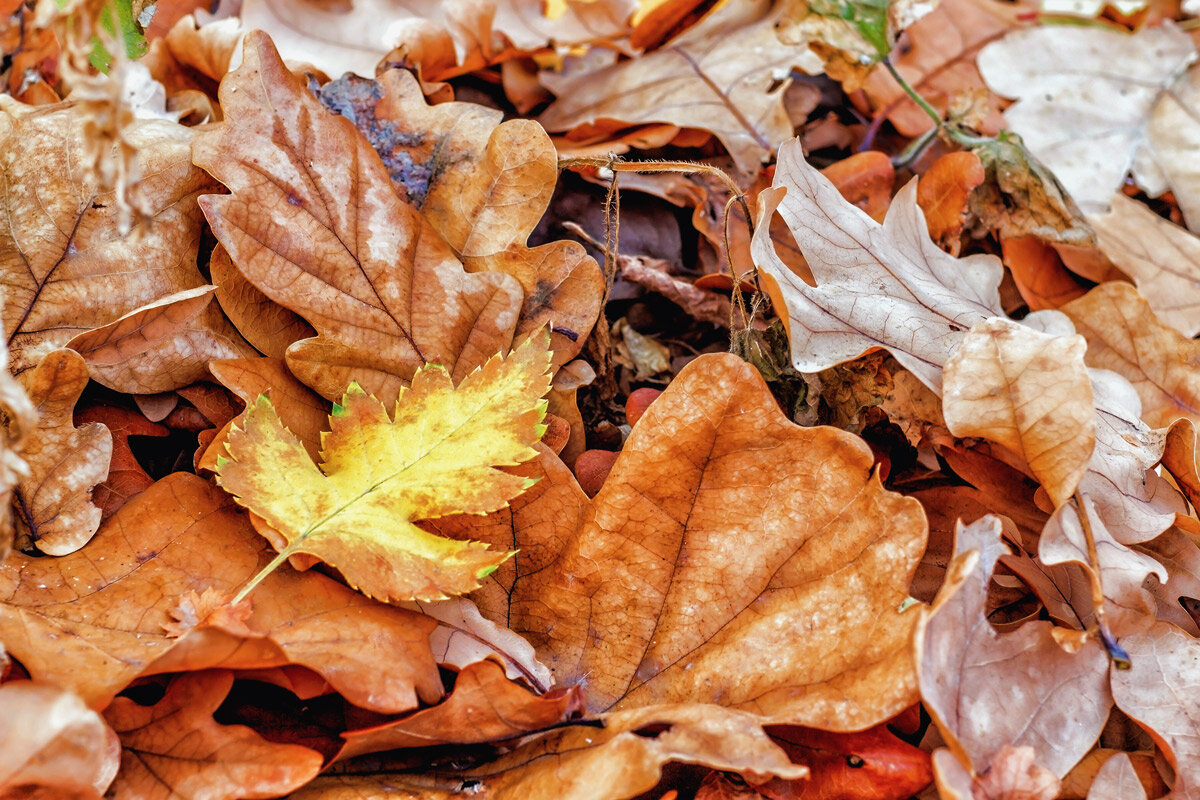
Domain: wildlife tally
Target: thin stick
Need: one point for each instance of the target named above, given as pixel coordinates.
(1120, 659)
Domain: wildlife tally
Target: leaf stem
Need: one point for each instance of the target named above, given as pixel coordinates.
(262, 573)
(1120, 659)
(949, 130)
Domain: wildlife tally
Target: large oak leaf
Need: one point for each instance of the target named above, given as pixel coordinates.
(723, 530)
(93, 620)
(313, 222)
(65, 266)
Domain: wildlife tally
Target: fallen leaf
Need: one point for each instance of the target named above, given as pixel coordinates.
(83, 621)
(1117, 780)
(21, 421)
(52, 745)
(483, 184)
(1155, 693)
(864, 180)
(877, 286)
(623, 596)
(54, 501)
(872, 763)
(175, 748)
(65, 264)
(126, 477)
(302, 411)
(1161, 258)
(394, 300)
(484, 707)
(435, 455)
(1124, 335)
(137, 331)
(1014, 774)
(943, 192)
(938, 60)
(624, 758)
(1177, 552)
(1085, 98)
(1028, 391)
(967, 671)
(1039, 274)
(445, 38)
(655, 275)
(718, 76)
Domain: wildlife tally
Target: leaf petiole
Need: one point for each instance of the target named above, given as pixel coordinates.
(262, 573)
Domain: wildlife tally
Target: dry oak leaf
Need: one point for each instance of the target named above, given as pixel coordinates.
(724, 529)
(1162, 258)
(484, 185)
(314, 223)
(175, 749)
(485, 706)
(53, 503)
(436, 455)
(65, 267)
(20, 420)
(937, 57)
(624, 758)
(1117, 780)
(1159, 694)
(52, 746)
(1086, 102)
(1028, 391)
(1176, 551)
(126, 477)
(1012, 774)
(1124, 335)
(93, 620)
(720, 75)
(444, 38)
(877, 285)
(986, 691)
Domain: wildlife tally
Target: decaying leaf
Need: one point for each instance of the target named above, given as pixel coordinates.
(52, 745)
(1124, 335)
(1157, 693)
(653, 594)
(1028, 391)
(622, 759)
(435, 455)
(967, 671)
(54, 501)
(126, 477)
(1085, 99)
(718, 76)
(175, 748)
(1163, 260)
(95, 619)
(65, 266)
(877, 285)
(383, 289)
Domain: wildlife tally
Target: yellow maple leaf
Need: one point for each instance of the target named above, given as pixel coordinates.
(437, 456)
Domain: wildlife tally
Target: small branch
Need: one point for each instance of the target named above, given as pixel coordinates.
(1120, 659)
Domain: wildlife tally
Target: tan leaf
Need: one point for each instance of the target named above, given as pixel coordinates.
(1163, 260)
(1124, 335)
(54, 502)
(718, 76)
(484, 185)
(267, 325)
(1014, 774)
(65, 267)
(302, 411)
(52, 745)
(622, 759)
(1117, 780)
(967, 671)
(1028, 391)
(126, 477)
(383, 290)
(175, 747)
(939, 62)
(484, 707)
(700, 549)
(1157, 694)
(21, 421)
(1177, 552)
(444, 38)
(93, 620)
(877, 285)
(1085, 96)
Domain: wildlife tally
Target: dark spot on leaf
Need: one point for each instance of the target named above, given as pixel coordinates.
(293, 199)
(653, 730)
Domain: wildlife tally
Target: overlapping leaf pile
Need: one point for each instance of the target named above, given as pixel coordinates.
(352, 449)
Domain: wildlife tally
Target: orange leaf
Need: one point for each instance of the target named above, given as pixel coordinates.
(126, 478)
(943, 192)
(175, 747)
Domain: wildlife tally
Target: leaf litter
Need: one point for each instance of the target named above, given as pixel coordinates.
(849, 450)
